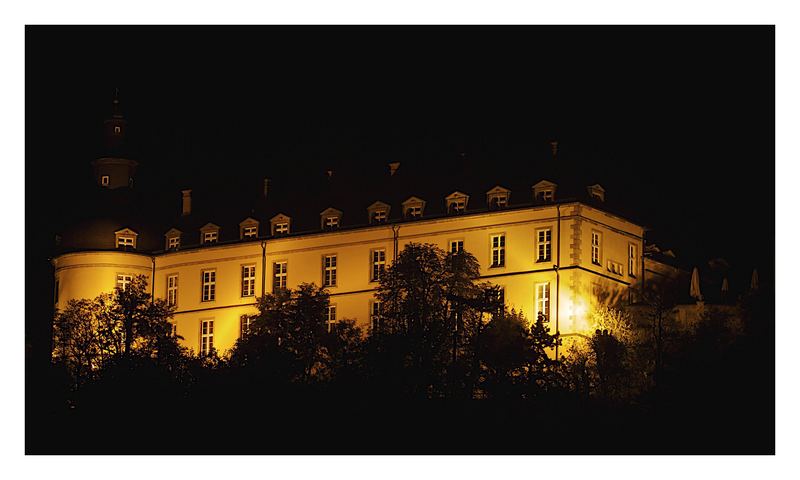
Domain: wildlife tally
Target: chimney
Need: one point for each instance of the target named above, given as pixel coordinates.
(266, 187)
(393, 167)
(187, 202)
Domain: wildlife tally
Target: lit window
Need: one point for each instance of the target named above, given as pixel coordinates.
(248, 280)
(244, 325)
(498, 250)
(414, 211)
(126, 241)
(250, 231)
(172, 290)
(375, 315)
(123, 281)
(105, 180)
(331, 223)
(329, 271)
(379, 216)
(206, 337)
(378, 264)
(173, 243)
(596, 240)
(543, 301)
(209, 285)
(117, 130)
(210, 237)
(543, 245)
(456, 246)
(331, 317)
(281, 228)
(632, 260)
(279, 270)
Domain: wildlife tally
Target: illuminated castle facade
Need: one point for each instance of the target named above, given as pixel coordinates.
(550, 253)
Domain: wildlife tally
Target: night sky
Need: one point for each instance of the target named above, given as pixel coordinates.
(678, 121)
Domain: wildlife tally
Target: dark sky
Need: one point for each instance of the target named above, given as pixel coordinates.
(679, 121)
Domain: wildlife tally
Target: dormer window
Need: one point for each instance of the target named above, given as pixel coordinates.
(280, 224)
(378, 212)
(597, 192)
(331, 219)
(544, 191)
(125, 239)
(248, 228)
(209, 234)
(105, 180)
(497, 198)
(173, 239)
(413, 207)
(456, 202)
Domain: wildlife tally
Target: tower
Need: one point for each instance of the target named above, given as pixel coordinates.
(114, 169)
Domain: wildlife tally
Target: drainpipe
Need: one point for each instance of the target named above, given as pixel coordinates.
(263, 265)
(555, 267)
(396, 233)
(153, 281)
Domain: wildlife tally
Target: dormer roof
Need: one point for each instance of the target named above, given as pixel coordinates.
(331, 212)
(379, 206)
(125, 231)
(248, 221)
(173, 232)
(208, 227)
(412, 201)
(544, 184)
(279, 218)
(497, 189)
(456, 195)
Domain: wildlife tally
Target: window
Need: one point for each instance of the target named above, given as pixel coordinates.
(458, 205)
(331, 223)
(172, 289)
(498, 250)
(248, 280)
(174, 329)
(125, 242)
(631, 260)
(378, 264)
(329, 271)
(498, 202)
(206, 337)
(456, 246)
(596, 239)
(545, 196)
(543, 245)
(501, 301)
(375, 315)
(331, 317)
(379, 216)
(210, 237)
(278, 276)
(105, 180)
(250, 232)
(414, 211)
(123, 281)
(614, 267)
(209, 285)
(281, 228)
(543, 301)
(244, 325)
(173, 243)
(117, 130)
(55, 293)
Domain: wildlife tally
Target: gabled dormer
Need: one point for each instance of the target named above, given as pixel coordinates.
(413, 207)
(172, 239)
(544, 191)
(209, 233)
(330, 219)
(378, 212)
(125, 239)
(248, 229)
(280, 224)
(498, 198)
(456, 202)
(596, 192)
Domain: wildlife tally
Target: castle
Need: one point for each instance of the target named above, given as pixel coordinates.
(551, 251)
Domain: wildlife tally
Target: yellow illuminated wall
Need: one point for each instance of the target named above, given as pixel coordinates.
(581, 284)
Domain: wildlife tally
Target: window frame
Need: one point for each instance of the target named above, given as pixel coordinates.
(373, 263)
(455, 241)
(249, 231)
(177, 242)
(332, 222)
(124, 282)
(328, 320)
(375, 313)
(249, 280)
(278, 228)
(105, 180)
(207, 234)
(284, 274)
(211, 284)
(547, 243)
(172, 290)
(632, 259)
(597, 247)
(500, 249)
(539, 299)
(126, 240)
(206, 336)
(374, 219)
(245, 321)
(330, 268)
